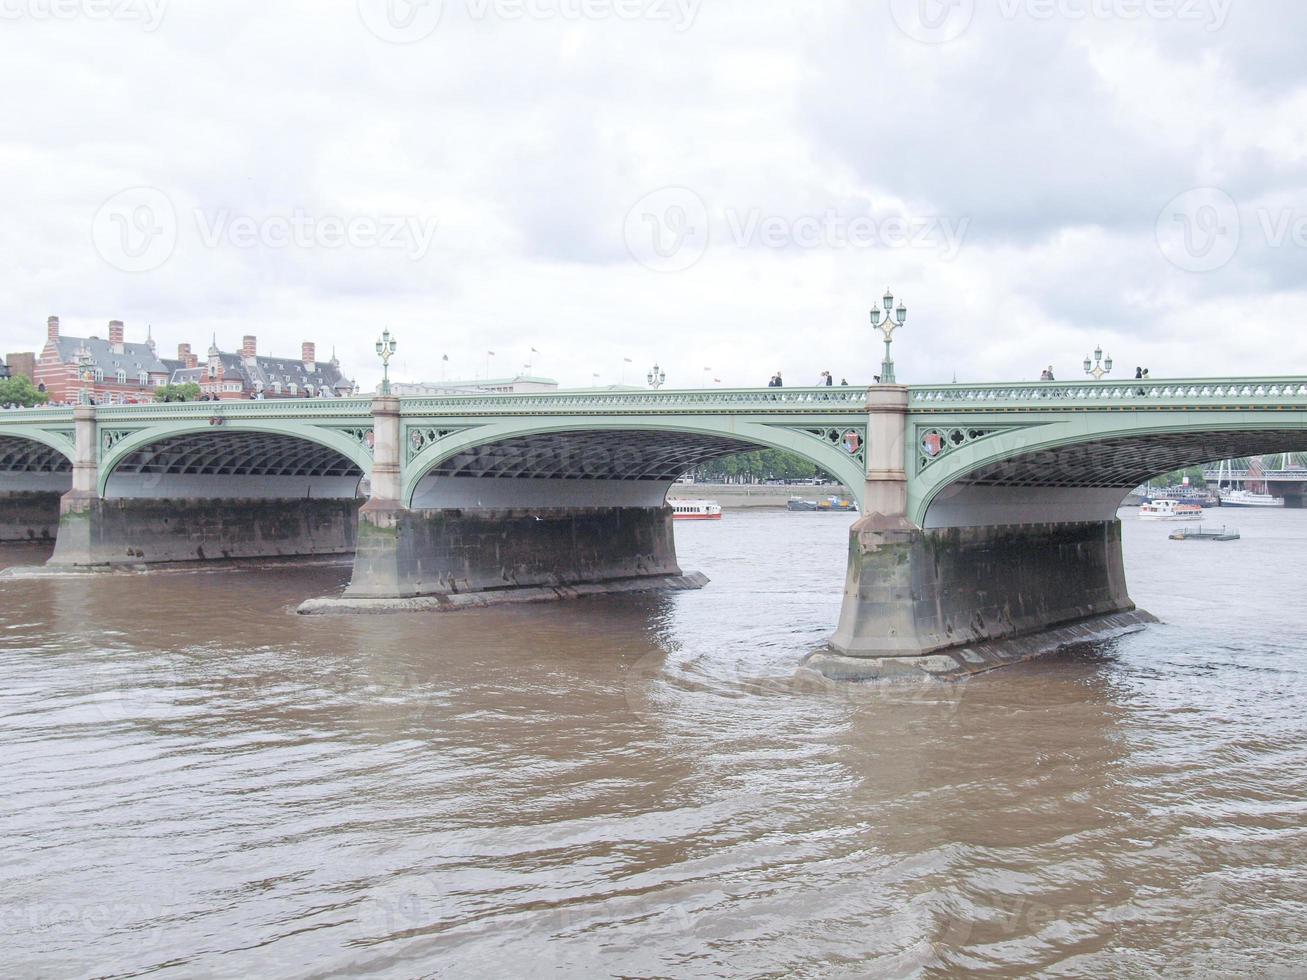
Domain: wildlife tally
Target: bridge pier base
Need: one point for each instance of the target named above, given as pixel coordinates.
(502, 555)
(29, 515)
(913, 592)
(94, 531)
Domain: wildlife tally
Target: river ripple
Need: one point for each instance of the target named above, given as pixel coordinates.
(197, 782)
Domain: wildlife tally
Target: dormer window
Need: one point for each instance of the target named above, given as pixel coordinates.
(121, 376)
(99, 374)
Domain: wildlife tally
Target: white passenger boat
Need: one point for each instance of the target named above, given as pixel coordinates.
(1170, 510)
(696, 510)
(1245, 498)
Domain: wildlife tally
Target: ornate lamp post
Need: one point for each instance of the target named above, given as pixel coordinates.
(1099, 368)
(656, 377)
(385, 350)
(84, 373)
(893, 319)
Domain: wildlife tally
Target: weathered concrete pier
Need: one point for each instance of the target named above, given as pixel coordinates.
(989, 511)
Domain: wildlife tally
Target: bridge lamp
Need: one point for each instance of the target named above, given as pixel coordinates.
(656, 377)
(385, 350)
(1098, 367)
(887, 323)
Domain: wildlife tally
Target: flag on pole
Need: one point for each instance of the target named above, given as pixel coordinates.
(628, 360)
(444, 357)
(534, 351)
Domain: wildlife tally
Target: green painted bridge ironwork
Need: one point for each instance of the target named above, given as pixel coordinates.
(955, 434)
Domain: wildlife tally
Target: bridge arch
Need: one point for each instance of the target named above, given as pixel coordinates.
(635, 460)
(1075, 468)
(32, 459)
(237, 459)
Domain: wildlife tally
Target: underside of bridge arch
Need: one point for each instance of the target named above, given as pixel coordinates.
(1087, 481)
(227, 465)
(33, 476)
(213, 496)
(613, 468)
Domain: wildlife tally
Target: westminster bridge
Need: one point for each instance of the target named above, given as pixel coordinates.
(989, 511)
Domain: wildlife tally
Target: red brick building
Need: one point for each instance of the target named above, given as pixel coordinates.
(112, 371)
(248, 375)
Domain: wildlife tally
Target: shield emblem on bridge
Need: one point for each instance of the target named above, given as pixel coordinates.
(852, 442)
(932, 444)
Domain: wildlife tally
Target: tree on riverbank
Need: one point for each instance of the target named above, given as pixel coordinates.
(21, 391)
(758, 467)
(189, 392)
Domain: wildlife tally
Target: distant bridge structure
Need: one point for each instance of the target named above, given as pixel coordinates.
(989, 511)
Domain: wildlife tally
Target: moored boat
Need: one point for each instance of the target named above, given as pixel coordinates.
(826, 504)
(1246, 498)
(696, 510)
(1169, 510)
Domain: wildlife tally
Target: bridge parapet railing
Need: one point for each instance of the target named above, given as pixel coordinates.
(1132, 394)
(39, 413)
(690, 401)
(307, 408)
(1292, 476)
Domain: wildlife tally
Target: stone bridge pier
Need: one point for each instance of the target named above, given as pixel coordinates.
(914, 591)
(204, 491)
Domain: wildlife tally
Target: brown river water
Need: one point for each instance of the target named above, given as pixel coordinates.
(196, 782)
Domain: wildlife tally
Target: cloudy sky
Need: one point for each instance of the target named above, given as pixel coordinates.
(723, 184)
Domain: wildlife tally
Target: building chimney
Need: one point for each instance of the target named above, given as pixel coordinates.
(184, 355)
(52, 329)
(310, 356)
(116, 335)
(250, 347)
